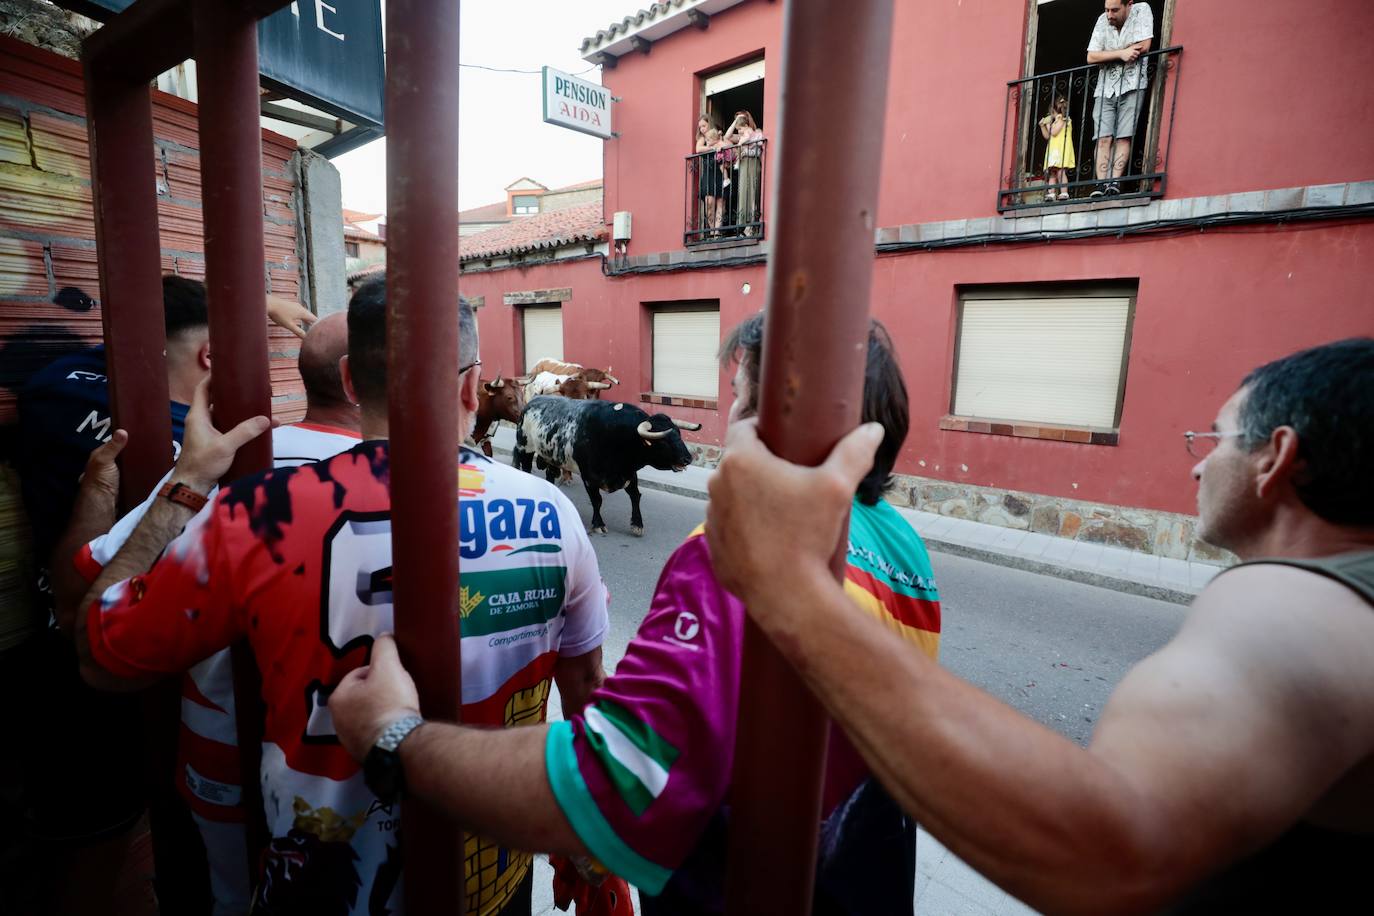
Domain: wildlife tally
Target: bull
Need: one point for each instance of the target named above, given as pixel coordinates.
(497, 400)
(606, 442)
(554, 376)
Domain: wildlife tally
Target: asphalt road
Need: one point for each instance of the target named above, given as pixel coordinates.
(1052, 649)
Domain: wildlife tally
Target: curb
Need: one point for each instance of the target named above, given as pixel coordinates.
(1026, 564)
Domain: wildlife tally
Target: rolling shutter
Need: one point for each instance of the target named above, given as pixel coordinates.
(543, 333)
(685, 345)
(729, 79)
(1054, 360)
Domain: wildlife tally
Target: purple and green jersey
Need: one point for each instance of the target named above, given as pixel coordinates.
(643, 772)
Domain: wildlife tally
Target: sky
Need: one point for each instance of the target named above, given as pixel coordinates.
(502, 136)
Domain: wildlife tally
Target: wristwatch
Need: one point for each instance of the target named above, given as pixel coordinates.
(382, 766)
(183, 495)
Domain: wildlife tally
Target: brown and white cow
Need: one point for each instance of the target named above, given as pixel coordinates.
(497, 400)
(570, 380)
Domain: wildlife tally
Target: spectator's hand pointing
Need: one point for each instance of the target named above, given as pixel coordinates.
(770, 522)
(286, 314)
(372, 697)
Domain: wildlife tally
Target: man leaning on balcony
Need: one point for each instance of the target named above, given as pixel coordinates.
(1122, 34)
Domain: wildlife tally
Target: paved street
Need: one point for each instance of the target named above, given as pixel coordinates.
(1053, 649)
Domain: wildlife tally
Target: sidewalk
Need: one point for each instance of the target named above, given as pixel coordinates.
(1129, 571)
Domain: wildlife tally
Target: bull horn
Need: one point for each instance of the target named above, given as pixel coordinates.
(498, 383)
(614, 380)
(645, 429)
(598, 386)
(683, 424)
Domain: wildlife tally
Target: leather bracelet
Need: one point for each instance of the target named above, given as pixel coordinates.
(183, 495)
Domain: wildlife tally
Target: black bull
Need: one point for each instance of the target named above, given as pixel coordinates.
(606, 442)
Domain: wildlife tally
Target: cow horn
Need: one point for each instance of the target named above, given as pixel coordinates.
(683, 424)
(598, 386)
(645, 429)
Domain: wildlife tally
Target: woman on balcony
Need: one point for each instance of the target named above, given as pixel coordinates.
(746, 135)
(708, 178)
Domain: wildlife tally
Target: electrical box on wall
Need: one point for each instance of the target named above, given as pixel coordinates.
(621, 228)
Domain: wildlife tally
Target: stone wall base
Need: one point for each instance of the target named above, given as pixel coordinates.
(1164, 534)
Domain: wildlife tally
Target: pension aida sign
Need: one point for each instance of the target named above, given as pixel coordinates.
(576, 104)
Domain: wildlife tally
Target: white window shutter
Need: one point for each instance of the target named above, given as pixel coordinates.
(685, 345)
(1054, 360)
(543, 333)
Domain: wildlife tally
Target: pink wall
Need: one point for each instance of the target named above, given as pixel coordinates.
(1210, 307)
(1267, 99)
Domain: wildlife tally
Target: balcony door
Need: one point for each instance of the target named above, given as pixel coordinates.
(1057, 39)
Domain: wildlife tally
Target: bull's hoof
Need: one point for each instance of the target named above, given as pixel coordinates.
(637, 530)
(598, 529)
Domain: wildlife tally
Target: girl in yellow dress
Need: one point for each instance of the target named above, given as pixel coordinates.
(1057, 128)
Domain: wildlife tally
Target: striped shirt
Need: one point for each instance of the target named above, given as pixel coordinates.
(643, 773)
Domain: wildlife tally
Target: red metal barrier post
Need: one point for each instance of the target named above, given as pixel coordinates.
(422, 369)
(835, 64)
(226, 51)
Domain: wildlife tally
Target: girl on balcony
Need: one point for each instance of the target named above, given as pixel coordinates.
(709, 190)
(746, 135)
(1057, 128)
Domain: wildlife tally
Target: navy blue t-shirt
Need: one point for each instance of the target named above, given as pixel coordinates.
(64, 414)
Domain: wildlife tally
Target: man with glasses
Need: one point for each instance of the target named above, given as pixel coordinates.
(298, 562)
(1231, 772)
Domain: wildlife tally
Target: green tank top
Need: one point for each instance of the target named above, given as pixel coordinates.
(1309, 869)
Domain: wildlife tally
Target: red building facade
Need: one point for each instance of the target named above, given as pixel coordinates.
(1249, 236)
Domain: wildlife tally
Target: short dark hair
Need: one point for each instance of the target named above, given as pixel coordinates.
(1326, 394)
(184, 306)
(884, 398)
(367, 339)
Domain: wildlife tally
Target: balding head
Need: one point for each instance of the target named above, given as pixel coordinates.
(324, 346)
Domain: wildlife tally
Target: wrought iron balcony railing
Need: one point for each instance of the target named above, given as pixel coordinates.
(1034, 141)
(725, 194)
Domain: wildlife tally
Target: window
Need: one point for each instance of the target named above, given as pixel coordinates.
(524, 204)
(351, 249)
(1054, 356)
(543, 331)
(686, 339)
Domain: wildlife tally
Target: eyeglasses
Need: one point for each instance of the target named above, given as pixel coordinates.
(473, 364)
(1200, 445)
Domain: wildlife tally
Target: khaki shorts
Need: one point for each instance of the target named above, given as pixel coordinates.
(1116, 116)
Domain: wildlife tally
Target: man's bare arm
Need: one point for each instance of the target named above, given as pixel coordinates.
(577, 676)
(1234, 729)
(492, 781)
(93, 514)
(159, 527)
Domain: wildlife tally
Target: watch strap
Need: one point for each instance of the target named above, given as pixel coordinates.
(183, 495)
(396, 732)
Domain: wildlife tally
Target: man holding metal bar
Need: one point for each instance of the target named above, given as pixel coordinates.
(1231, 772)
(298, 561)
(641, 780)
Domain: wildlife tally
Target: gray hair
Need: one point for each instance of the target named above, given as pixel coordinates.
(468, 344)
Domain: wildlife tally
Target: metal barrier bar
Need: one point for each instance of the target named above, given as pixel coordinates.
(422, 371)
(835, 65)
(226, 51)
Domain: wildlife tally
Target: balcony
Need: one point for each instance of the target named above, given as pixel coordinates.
(1138, 169)
(725, 195)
